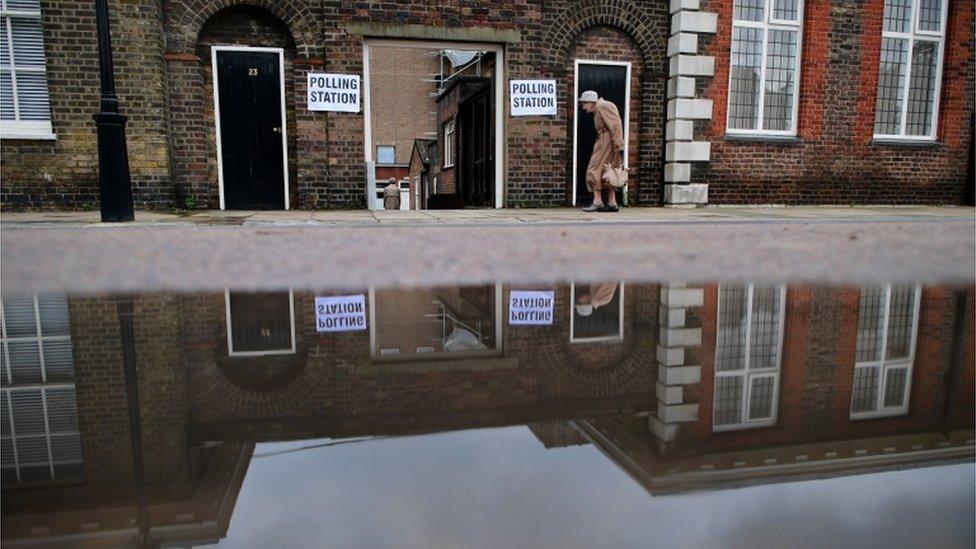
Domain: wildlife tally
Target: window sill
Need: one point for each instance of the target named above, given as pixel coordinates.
(912, 143)
(32, 136)
(758, 138)
(447, 167)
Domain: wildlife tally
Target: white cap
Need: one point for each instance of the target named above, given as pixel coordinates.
(589, 96)
(584, 309)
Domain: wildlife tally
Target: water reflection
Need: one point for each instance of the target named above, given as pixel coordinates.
(683, 387)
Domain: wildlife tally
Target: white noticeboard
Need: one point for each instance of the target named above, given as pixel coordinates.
(532, 97)
(341, 313)
(530, 308)
(333, 92)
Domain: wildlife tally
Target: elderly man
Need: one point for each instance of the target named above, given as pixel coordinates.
(608, 149)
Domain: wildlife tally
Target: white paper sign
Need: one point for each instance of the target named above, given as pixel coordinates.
(532, 97)
(341, 313)
(530, 308)
(333, 92)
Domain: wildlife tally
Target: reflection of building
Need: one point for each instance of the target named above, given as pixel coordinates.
(84, 491)
(708, 387)
(802, 382)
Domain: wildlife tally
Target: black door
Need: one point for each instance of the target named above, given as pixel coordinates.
(477, 160)
(251, 129)
(610, 82)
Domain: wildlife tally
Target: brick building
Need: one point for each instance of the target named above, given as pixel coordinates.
(744, 101)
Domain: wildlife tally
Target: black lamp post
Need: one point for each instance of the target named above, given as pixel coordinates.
(115, 184)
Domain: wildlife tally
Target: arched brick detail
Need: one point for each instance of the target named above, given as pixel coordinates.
(647, 35)
(187, 17)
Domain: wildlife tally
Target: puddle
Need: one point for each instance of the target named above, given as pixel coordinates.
(584, 414)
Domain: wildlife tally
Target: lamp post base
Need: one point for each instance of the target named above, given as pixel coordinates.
(115, 184)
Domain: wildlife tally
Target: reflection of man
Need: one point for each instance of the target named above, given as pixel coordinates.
(599, 295)
(608, 149)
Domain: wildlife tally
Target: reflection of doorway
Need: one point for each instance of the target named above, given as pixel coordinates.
(389, 109)
(597, 312)
(475, 181)
(260, 323)
(440, 322)
(611, 80)
(249, 107)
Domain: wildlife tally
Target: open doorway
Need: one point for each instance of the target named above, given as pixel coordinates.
(433, 117)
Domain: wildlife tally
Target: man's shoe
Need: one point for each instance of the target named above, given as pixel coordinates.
(593, 208)
(609, 208)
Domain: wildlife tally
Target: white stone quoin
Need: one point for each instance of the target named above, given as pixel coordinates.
(690, 109)
(684, 66)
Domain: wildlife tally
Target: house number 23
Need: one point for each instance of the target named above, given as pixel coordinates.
(252, 72)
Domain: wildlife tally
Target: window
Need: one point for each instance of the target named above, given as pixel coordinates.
(449, 144)
(25, 111)
(39, 433)
(748, 348)
(385, 154)
(910, 65)
(764, 66)
(885, 350)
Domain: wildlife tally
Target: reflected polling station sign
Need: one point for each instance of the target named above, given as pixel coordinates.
(533, 308)
(532, 97)
(333, 92)
(340, 313)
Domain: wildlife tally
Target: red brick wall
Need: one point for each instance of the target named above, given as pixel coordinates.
(447, 110)
(833, 159)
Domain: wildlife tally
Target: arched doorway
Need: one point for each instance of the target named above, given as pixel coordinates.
(248, 77)
(603, 59)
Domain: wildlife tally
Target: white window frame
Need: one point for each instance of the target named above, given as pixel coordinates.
(619, 336)
(378, 147)
(9, 388)
(885, 364)
(449, 130)
(230, 333)
(769, 23)
(916, 35)
(748, 373)
(23, 129)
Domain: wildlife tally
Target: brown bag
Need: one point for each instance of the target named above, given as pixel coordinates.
(615, 176)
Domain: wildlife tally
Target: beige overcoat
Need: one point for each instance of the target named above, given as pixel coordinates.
(609, 142)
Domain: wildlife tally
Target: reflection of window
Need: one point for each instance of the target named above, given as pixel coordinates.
(748, 349)
(449, 144)
(597, 312)
(24, 102)
(385, 154)
(886, 328)
(40, 438)
(260, 323)
(764, 63)
(910, 65)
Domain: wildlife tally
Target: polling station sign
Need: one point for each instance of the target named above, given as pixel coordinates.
(532, 97)
(333, 92)
(340, 313)
(530, 308)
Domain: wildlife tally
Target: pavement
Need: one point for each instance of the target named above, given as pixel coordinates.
(494, 217)
(72, 252)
